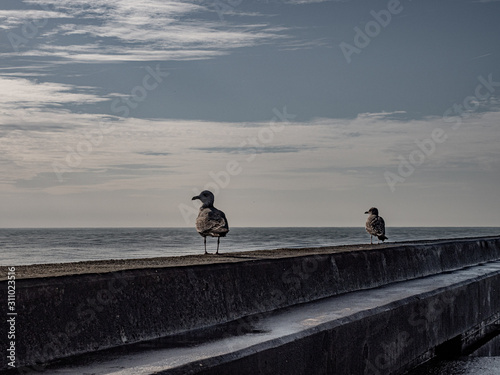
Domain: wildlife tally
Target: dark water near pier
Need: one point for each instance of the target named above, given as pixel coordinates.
(484, 361)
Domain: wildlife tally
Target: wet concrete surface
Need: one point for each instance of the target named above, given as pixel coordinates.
(200, 352)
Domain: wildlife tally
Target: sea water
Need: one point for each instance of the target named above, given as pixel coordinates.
(37, 246)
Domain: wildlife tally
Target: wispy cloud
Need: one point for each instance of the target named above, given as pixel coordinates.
(252, 150)
(387, 116)
(126, 30)
(481, 56)
(21, 92)
(301, 2)
(140, 150)
(10, 19)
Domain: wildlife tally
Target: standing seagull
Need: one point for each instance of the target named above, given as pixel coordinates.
(375, 225)
(210, 220)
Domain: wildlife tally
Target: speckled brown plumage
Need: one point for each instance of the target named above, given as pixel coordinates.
(210, 221)
(375, 225)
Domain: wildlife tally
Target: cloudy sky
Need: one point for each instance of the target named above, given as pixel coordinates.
(294, 112)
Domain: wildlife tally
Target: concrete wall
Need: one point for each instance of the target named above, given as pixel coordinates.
(63, 316)
(390, 341)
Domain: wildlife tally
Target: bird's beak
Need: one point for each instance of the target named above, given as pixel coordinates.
(194, 198)
(367, 212)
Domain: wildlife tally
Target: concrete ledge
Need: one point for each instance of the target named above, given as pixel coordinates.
(386, 340)
(385, 330)
(68, 315)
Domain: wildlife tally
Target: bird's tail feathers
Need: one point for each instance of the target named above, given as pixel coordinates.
(382, 237)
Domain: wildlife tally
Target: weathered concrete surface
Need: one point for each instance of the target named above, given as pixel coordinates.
(63, 316)
(379, 331)
(115, 265)
(384, 340)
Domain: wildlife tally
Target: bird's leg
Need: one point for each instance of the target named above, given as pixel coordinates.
(205, 242)
(371, 240)
(218, 240)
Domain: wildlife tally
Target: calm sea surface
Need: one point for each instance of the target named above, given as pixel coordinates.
(35, 246)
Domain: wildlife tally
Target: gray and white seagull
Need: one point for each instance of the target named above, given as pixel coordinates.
(210, 221)
(375, 225)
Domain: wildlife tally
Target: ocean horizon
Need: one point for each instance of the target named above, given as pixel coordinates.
(24, 246)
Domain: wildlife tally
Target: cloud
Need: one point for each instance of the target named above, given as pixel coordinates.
(248, 149)
(126, 30)
(96, 53)
(481, 56)
(39, 131)
(294, 45)
(22, 92)
(305, 2)
(387, 116)
(149, 153)
(10, 19)
(29, 108)
(344, 160)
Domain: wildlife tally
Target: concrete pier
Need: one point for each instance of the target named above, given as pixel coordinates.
(376, 310)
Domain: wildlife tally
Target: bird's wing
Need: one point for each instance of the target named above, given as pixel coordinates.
(378, 226)
(212, 221)
(370, 224)
(223, 216)
(219, 221)
(202, 222)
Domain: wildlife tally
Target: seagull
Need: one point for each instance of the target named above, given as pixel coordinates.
(375, 225)
(210, 221)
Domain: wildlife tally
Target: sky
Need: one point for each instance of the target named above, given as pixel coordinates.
(115, 113)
